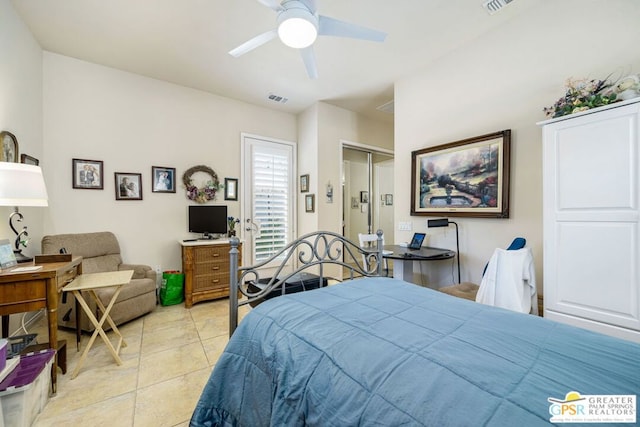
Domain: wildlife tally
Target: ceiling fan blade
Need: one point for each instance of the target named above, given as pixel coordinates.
(334, 27)
(311, 5)
(271, 4)
(309, 58)
(255, 42)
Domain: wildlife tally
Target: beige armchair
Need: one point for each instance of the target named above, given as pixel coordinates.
(101, 252)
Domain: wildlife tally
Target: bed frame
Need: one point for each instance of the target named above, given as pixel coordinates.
(313, 249)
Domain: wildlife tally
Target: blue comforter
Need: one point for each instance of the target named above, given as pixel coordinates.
(381, 352)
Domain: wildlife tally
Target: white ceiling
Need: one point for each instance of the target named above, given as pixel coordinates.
(186, 42)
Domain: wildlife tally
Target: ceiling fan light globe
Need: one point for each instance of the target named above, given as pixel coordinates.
(297, 28)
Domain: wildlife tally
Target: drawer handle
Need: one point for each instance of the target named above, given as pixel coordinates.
(215, 268)
(71, 271)
(215, 280)
(216, 255)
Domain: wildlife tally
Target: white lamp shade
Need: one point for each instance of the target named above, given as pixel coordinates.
(22, 185)
(297, 28)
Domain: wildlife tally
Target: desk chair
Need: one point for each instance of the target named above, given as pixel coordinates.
(370, 241)
(468, 290)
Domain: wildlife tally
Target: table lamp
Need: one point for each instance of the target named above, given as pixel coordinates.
(21, 185)
(444, 222)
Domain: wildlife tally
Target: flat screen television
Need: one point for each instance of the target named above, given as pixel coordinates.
(208, 220)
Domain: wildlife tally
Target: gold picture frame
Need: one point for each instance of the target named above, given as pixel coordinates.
(304, 183)
(310, 203)
(9, 147)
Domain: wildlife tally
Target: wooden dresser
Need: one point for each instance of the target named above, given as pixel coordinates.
(206, 270)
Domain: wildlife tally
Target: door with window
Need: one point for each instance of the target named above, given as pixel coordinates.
(268, 190)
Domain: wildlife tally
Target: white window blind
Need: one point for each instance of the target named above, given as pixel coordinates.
(271, 176)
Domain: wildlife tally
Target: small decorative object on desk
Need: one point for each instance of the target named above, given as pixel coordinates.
(231, 221)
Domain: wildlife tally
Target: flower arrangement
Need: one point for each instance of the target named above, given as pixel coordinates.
(582, 95)
(205, 193)
(231, 222)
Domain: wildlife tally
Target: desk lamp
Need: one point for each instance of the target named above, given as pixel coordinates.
(21, 185)
(444, 222)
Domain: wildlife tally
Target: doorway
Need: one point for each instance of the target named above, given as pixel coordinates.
(367, 191)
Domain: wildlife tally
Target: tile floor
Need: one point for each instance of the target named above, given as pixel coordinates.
(169, 356)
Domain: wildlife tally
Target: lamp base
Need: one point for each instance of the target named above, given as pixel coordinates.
(21, 258)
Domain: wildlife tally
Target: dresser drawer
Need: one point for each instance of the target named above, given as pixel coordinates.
(67, 277)
(212, 253)
(211, 281)
(211, 268)
(23, 292)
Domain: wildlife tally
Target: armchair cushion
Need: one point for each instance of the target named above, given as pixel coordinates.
(100, 252)
(140, 271)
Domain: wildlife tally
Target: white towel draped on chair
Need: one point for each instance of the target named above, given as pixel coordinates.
(510, 282)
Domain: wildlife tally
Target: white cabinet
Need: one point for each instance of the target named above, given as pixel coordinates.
(591, 219)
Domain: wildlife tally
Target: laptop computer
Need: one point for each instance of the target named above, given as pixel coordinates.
(416, 241)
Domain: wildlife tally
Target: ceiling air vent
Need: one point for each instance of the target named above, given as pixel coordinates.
(387, 107)
(494, 6)
(278, 98)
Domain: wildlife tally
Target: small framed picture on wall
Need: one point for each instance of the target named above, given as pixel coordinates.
(231, 189)
(87, 174)
(164, 179)
(29, 160)
(304, 183)
(309, 203)
(128, 186)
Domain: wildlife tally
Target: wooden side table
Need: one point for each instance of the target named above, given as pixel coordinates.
(91, 282)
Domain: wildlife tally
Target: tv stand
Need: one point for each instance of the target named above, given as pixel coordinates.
(206, 270)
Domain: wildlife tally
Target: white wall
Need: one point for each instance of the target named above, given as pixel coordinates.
(322, 127)
(502, 81)
(383, 173)
(132, 123)
(21, 114)
(336, 125)
(21, 107)
(307, 164)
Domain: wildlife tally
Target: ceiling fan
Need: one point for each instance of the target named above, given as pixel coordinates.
(298, 25)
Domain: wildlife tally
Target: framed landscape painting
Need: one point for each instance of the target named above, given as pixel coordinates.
(463, 178)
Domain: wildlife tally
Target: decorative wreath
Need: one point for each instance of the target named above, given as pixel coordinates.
(205, 193)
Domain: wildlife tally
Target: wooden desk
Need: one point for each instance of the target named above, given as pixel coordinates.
(30, 291)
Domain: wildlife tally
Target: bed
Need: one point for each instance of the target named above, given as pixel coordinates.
(379, 351)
